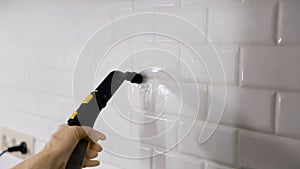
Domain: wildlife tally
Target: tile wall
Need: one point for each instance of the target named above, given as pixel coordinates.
(157, 125)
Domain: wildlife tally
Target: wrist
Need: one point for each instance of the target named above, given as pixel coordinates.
(53, 158)
(40, 160)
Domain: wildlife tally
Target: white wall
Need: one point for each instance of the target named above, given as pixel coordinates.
(258, 43)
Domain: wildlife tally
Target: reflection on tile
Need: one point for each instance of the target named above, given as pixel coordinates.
(173, 160)
(246, 22)
(243, 106)
(256, 150)
(287, 114)
(270, 67)
(289, 24)
(202, 68)
(159, 131)
(220, 147)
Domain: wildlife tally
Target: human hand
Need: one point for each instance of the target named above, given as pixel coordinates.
(58, 150)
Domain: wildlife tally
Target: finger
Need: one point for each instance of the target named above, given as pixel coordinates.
(91, 163)
(91, 154)
(79, 132)
(96, 147)
(94, 135)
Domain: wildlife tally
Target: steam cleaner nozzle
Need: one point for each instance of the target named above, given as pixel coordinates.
(134, 77)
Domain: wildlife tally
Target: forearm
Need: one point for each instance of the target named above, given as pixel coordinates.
(58, 150)
(42, 160)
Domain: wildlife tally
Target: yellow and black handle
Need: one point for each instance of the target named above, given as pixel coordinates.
(90, 108)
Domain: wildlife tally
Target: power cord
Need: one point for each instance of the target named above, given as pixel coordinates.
(21, 148)
(3, 152)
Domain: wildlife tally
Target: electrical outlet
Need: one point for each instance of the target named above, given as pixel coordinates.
(12, 138)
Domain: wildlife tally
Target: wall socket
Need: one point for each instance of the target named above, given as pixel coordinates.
(12, 138)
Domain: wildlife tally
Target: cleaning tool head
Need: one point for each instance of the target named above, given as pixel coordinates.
(134, 77)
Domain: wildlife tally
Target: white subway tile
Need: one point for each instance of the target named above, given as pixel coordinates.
(270, 67)
(192, 16)
(190, 25)
(155, 3)
(203, 69)
(124, 147)
(15, 76)
(118, 58)
(247, 22)
(25, 101)
(212, 165)
(181, 99)
(159, 130)
(90, 56)
(220, 147)
(171, 47)
(1, 79)
(18, 53)
(287, 114)
(9, 161)
(38, 79)
(108, 166)
(51, 55)
(118, 14)
(161, 61)
(289, 24)
(93, 21)
(25, 29)
(256, 150)
(132, 163)
(19, 99)
(109, 6)
(205, 2)
(61, 82)
(127, 28)
(131, 156)
(64, 29)
(243, 106)
(27, 123)
(71, 53)
(51, 107)
(171, 160)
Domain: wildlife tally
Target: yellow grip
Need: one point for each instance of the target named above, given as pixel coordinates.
(88, 98)
(73, 115)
